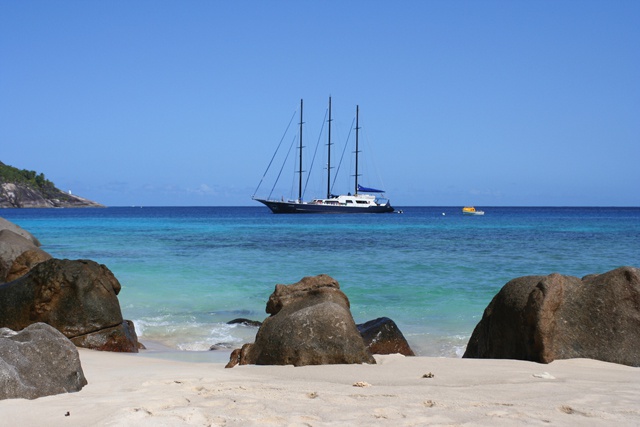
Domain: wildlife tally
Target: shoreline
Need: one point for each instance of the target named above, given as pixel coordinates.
(188, 271)
(149, 388)
(158, 350)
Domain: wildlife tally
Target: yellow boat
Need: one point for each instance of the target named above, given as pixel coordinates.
(470, 210)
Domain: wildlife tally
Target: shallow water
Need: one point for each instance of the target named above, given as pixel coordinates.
(186, 271)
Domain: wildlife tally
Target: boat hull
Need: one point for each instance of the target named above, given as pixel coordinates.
(280, 207)
(470, 210)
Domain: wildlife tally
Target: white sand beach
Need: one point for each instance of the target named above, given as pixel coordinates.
(139, 390)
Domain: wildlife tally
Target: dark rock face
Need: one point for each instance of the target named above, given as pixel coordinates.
(382, 336)
(78, 298)
(310, 324)
(245, 322)
(544, 318)
(21, 196)
(38, 361)
(18, 195)
(120, 338)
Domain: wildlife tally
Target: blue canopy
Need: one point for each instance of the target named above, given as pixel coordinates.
(369, 190)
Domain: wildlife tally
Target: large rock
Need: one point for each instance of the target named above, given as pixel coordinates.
(12, 245)
(120, 338)
(79, 298)
(25, 262)
(310, 324)
(544, 318)
(8, 225)
(382, 336)
(38, 361)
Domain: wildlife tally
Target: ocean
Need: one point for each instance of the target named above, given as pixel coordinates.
(186, 271)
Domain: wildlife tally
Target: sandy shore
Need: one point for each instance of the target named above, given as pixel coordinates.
(138, 390)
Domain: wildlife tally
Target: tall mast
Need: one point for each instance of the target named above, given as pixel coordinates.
(357, 149)
(300, 168)
(329, 155)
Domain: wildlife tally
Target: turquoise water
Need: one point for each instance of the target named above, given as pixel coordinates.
(185, 271)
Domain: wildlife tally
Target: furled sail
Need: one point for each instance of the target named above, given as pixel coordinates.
(368, 190)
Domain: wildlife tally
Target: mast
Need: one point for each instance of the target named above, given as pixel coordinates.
(329, 155)
(300, 168)
(357, 149)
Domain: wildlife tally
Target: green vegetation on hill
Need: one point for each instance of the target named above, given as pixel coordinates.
(25, 188)
(32, 179)
(23, 176)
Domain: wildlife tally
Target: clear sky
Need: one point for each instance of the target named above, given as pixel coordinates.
(489, 103)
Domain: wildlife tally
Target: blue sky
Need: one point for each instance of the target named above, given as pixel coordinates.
(490, 103)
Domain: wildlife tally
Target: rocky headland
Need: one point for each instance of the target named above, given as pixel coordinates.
(28, 189)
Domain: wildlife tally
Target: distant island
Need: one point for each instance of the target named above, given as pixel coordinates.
(21, 188)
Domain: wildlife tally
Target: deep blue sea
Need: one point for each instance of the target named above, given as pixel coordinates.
(186, 271)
